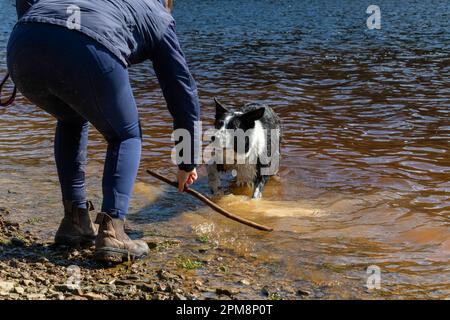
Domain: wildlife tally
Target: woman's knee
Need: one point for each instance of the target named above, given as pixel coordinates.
(126, 132)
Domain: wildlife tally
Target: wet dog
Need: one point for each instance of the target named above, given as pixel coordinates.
(247, 143)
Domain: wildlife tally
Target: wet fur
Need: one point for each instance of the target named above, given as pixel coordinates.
(252, 116)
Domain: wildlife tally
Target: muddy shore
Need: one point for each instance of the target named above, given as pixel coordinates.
(33, 268)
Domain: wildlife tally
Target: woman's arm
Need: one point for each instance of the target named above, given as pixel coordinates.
(178, 86)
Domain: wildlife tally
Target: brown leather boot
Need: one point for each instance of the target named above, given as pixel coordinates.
(76, 227)
(113, 244)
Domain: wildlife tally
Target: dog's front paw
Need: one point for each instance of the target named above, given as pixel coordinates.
(257, 195)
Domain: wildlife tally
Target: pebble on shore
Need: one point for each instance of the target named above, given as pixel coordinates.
(33, 269)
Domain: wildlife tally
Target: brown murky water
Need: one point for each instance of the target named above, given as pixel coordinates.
(365, 176)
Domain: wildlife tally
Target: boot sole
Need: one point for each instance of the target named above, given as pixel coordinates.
(116, 255)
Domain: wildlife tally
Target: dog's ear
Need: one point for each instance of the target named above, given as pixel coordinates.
(220, 108)
(253, 115)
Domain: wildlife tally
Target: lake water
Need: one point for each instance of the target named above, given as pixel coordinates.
(365, 177)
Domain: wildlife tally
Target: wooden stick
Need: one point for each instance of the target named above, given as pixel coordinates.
(211, 204)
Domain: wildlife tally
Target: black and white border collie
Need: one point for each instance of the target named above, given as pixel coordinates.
(247, 143)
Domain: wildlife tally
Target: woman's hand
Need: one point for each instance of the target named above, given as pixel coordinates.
(186, 179)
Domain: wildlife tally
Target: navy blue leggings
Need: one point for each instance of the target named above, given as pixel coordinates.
(78, 81)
